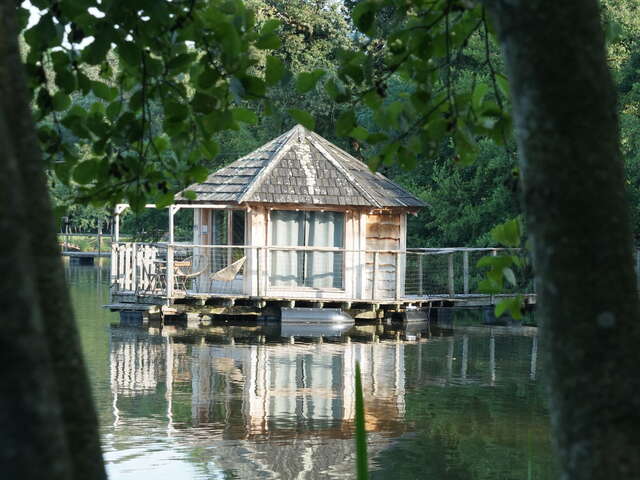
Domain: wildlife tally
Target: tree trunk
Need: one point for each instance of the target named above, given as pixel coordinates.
(31, 243)
(577, 216)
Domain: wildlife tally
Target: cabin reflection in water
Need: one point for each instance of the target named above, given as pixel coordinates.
(273, 387)
(273, 407)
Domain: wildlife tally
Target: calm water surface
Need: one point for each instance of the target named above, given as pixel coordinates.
(217, 403)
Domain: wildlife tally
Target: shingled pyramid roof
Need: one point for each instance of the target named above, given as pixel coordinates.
(300, 167)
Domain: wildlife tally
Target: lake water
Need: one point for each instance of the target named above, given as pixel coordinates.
(234, 401)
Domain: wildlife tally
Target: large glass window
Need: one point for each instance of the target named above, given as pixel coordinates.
(307, 267)
(227, 228)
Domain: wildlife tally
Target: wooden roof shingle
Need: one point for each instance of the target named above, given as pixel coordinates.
(300, 167)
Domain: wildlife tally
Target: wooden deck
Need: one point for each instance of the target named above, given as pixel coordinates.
(421, 279)
(247, 306)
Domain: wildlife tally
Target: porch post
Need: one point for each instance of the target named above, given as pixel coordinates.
(170, 278)
(172, 211)
(116, 228)
(121, 207)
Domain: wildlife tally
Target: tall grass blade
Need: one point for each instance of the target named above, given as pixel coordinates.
(361, 434)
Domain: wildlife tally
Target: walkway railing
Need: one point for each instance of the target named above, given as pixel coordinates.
(172, 270)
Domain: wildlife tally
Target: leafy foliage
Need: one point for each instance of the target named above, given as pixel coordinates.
(130, 94)
(427, 46)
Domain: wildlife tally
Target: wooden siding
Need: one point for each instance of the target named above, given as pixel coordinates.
(384, 232)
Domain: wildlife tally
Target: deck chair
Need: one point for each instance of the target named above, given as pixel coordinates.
(227, 274)
(189, 268)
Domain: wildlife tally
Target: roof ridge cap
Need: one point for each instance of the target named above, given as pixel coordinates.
(277, 155)
(342, 169)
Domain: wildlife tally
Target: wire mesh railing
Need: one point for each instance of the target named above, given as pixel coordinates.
(456, 271)
(180, 269)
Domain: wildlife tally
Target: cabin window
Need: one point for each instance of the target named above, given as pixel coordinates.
(306, 267)
(228, 227)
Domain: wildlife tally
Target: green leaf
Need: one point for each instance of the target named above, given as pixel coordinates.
(198, 173)
(181, 62)
(509, 276)
(253, 86)
(96, 52)
(189, 194)
(113, 110)
(307, 80)
(512, 305)
(372, 100)
(466, 145)
(364, 17)
(104, 91)
(176, 112)
(85, 172)
(136, 101)
(244, 115)
(359, 133)
(66, 81)
(130, 54)
(336, 91)
(207, 78)
(209, 148)
(161, 143)
(489, 287)
(164, 200)
(275, 70)
(269, 27)
(496, 262)
(84, 83)
(217, 121)
(503, 84)
(507, 233)
(268, 42)
(346, 123)
(61, 101)
(479, 91)
(303, 118)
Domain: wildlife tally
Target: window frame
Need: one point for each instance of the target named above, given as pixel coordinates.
(306, 248)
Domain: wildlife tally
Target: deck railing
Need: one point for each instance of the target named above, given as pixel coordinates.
(172, 270)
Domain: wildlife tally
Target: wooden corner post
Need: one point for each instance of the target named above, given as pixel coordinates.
(170, 275)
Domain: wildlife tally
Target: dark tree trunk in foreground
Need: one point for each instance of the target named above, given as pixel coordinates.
(577, 217)
(48, 425)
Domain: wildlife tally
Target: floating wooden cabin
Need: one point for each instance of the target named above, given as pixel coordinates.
(298, 220)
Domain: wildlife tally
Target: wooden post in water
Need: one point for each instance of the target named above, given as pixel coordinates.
(492, 358)
(66, 227)
(420, 273)
(465, 356)
(451, 282)
(465, 271)
(637, 269)
(494, 253)
(534, 358)
(397, 275)
(170, 277)
(99, 242)
(450, 350)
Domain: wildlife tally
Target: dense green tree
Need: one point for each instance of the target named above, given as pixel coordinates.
(196, 61)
